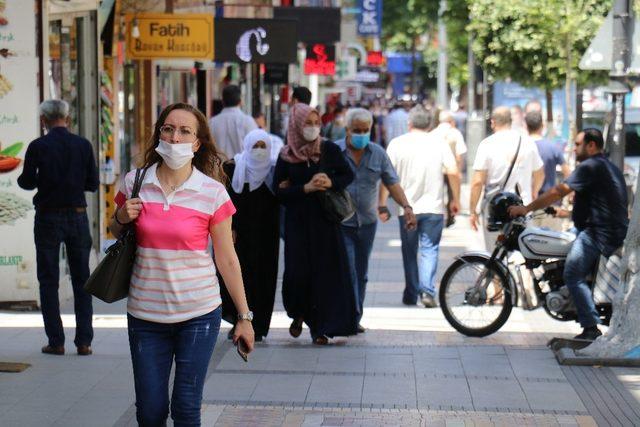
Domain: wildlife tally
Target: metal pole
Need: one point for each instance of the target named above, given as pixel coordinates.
(471, 82)
(443, 100)
(619, 66)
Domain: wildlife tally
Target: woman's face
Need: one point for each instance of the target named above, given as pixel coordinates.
(313, 119)
(260, 144)
(181, 127)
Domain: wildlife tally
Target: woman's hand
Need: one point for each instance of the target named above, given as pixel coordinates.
(312, 187)
(130, 211)
(322, 180)
(244, 332)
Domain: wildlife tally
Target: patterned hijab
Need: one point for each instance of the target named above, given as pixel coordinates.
(298, 150)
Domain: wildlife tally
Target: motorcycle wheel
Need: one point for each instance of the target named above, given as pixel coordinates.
(472, 308)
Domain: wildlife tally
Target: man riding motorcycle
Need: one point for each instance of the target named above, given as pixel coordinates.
(600, 215)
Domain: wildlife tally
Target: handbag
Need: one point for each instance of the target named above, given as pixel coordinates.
(337, 205)
(110, 280)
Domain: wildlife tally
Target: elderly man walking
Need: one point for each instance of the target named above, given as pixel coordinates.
(370, 165)
(420, 159)
(492, 164)
(61, 166)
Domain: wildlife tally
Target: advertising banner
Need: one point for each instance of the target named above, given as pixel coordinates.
(160, 36)
(315, 24)
(18, 126)
(370, 17)
(260, 41)
(321, 59)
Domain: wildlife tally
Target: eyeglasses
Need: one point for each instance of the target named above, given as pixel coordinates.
(184, 132)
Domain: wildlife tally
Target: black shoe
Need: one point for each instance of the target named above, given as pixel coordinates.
(407, 302)
(589, 334)
(258, 338)
(361, 329)
(428, 300)
(296, 328)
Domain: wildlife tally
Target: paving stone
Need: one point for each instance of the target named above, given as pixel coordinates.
(552, 396)
(434, 392)
(497, 394)
(389, 390)
(282, 388)
(335, 389)
(230, 387)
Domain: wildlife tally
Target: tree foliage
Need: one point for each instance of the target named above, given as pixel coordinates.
(536, 42)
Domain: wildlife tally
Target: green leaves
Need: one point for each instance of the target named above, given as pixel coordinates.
(12, 150)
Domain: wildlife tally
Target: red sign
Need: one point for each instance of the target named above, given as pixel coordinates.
(321, 59)
(375, 58)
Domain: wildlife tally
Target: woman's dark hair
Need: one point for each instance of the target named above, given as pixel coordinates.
(207, 159)
(593, 135)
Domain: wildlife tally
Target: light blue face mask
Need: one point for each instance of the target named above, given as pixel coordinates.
(359, 141)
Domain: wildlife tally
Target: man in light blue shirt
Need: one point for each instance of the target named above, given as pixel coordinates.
(370, 164)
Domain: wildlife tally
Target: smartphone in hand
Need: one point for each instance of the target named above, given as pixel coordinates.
(242, 349)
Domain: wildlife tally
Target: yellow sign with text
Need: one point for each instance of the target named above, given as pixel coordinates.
(169, 36)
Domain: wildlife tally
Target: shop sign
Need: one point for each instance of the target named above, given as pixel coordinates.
(170, 36)
(370, 17)
(275, 74)
(315, 24)
(256, 40)
(19, 125)
(375, 58)
(321, 60)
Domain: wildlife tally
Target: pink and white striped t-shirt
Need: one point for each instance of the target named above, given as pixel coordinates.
(174, 277)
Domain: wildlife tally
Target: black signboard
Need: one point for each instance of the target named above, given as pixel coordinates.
(276, 74)
(256, 40)
(316, 24)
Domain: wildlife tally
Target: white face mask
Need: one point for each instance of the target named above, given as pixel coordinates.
(259, 154)
(175, 155)
(310, 133)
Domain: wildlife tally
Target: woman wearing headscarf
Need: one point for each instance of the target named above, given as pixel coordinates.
(316, 288)
(256, 229)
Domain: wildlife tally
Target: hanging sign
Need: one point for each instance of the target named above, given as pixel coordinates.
(259, 41)
(169, 36)
(321, 59)
(375, 58)
(370, 17)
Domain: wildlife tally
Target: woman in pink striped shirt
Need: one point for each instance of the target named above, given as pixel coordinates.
(174, 298)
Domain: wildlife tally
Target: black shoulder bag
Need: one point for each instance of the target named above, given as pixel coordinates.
(336, 204)
(111, 278)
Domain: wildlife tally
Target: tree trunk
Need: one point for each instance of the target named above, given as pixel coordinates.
(624, 334)
(549, 97)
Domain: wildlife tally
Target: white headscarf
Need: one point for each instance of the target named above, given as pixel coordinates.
(248, 169)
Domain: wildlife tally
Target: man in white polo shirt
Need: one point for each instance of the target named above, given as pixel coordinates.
(492, 162)
(420, 159)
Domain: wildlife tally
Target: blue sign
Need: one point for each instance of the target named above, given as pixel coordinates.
(370, 17)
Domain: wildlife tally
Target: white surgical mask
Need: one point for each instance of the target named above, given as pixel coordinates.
(310, 133)
(259, 154)
(175, 155)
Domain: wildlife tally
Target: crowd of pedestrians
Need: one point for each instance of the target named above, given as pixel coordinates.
(218, 196)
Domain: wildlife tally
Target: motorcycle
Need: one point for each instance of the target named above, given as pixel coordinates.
(479, 290)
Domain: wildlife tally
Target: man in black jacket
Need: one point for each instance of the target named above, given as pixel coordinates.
(61, 166)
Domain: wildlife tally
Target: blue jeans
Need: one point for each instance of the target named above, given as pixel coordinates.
(50, 230)
(359, 243)
(581, 262)
(154, 346)
(420, 255)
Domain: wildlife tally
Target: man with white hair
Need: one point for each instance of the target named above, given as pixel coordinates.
(370, 165)
(447, 131)
(61, 166)
(420, 159)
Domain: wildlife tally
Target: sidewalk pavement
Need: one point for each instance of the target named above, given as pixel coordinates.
(410, 368)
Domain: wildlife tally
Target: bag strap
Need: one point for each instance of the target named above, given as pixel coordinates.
(513, 163)
(137, 183)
